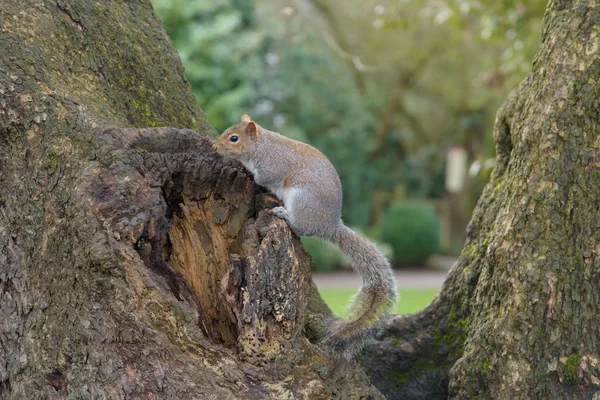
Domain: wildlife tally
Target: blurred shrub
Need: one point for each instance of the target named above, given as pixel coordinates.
(412, 229)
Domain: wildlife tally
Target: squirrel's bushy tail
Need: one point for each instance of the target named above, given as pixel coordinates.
(376, 296)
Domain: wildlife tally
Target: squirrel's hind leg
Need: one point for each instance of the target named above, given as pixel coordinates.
(293, 200)
(283, 213)
(306, 214)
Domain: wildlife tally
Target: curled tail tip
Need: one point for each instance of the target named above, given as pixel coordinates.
(348, 337)
(341, 343)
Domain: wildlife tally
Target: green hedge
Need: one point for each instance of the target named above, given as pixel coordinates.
(413, 230)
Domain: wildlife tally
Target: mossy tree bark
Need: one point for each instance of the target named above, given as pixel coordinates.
(134, 261)
(519, 315)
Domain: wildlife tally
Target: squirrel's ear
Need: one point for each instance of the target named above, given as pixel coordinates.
(246, 118)
(251, 129)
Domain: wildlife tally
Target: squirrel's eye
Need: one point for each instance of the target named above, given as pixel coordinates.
(234, 138)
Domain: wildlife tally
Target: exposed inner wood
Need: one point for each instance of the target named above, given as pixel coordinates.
(200, 251)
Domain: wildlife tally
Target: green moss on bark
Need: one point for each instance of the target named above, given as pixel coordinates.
(571, 368)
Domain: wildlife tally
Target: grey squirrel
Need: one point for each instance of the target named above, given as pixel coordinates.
(311, 191)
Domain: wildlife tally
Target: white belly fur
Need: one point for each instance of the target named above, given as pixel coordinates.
(285, 194)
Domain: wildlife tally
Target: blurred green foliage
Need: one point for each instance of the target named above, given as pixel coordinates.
(383, 88)
(413, 230)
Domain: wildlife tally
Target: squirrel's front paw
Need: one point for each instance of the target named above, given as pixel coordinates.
(281, 212)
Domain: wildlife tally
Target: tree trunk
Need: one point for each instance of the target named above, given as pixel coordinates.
(518, 317)
(136, 263)
(133, 260)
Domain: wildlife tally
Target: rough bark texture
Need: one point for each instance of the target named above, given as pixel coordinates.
(519, 312)
(134, 261)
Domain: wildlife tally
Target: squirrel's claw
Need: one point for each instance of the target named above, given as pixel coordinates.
(281, 212)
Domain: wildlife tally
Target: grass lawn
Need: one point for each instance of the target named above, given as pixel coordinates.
(411, 299)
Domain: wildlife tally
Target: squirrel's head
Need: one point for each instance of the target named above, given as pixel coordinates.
(238, 140)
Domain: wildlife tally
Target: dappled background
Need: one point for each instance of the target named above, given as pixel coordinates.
(400, 95)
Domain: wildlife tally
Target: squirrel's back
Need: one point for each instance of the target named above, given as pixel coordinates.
(305, 165)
